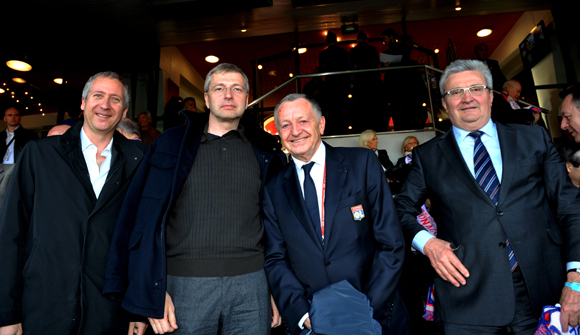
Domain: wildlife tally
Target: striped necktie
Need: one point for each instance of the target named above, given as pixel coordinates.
(487, 178)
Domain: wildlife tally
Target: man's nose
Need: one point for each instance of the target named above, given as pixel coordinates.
(564, 124)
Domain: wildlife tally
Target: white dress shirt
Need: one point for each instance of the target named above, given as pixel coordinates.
(466, 144)
(317, 174)
(97, 174)
(9, 156)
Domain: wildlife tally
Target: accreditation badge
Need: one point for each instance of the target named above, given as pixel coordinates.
(357, 212)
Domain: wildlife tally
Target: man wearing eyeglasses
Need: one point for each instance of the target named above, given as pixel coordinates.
(192, 223)
(508, 221)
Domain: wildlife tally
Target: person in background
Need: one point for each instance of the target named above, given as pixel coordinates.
(130, 130)
(368, 139)
(14, 137)
(190, 104)
(58, 130)
(398, 174)
(148, 132)
(482, 54)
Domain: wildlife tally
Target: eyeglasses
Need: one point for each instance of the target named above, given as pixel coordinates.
(458, 93)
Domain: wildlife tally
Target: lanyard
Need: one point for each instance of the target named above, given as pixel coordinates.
(323, 197)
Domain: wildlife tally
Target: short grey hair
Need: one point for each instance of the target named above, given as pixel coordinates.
(146, 113)
(293, 97)
(462, 65)
(365, 137)
(110, 75)
(511, 82)
(128, 126)
(225, 68)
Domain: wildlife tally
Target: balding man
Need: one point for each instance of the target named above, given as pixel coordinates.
(506, 108)
(14, 137)
(58, 130)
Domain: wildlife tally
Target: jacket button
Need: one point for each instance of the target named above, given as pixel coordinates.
(502, 244)
(224, 149)
(500, 213)
(266, 161)
(327, 263)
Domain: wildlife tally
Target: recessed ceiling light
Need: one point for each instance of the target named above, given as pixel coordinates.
(25, 93)
(18, 65)
(260, 66)
(17, 101)
(424, 105)
(244, 29)
(211, 59)
(458, 8)
(58, 81)
(39, 104)
(484, 32)
(350, 96)
(31, 98)
(302, 50)
(2, 90)
(349, 127)
(18, 80)
(291, 75)
(436, 51)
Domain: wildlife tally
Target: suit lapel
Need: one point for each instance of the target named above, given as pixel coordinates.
(452, 154)
(294, 196)
(335, 178)
(508, 144)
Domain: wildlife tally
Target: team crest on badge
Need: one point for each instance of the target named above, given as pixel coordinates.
(357, 212)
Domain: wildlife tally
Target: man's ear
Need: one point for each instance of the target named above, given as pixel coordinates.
(125, 113)
(205, 97)
(322, 125)
(82, 104)
(569, 167)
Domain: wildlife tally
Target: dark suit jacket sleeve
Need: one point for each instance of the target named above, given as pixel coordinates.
(286, 288)
(565, 197)
(411, 198)
(385, 161)
(390, 248)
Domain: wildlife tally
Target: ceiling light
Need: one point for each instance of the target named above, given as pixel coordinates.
(58, 81)
(458, 8)
(4, 84)
(272, 73)
(291, 75)
(42, 113)
(440, 120)
(18, 65)
(26, 107)
(302, 50)
(2, 90)
(350, 96)
(18, 80)
(243, 29)
(211, 59)
(25, 93)
(325, 33)
(260, 66)
(352, 45)
(31, 98)
(436, 51)
(17, 100)
(484, 32)
(338, 39)
(39, 104)
(424, 105)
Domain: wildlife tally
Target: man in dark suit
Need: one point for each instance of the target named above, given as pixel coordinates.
(527, 207)
(482, 54)
(14, 137)
(329, 216)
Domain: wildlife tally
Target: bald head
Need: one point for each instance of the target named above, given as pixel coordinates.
(58, 130)
(12, 118)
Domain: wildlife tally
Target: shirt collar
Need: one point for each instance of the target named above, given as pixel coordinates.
(319, 157)
(489, 130)
(86, 142)
(239, 132)
(8, 132)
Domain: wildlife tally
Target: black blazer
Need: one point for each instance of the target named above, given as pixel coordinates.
(538, 210)
(384, 159)
(21, 137)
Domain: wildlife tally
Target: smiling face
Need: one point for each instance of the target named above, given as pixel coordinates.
(373, 143)
(299, 130)
(103, 108)
(570, 118)
(514, 91)
(143, 121)
(470, 112)
(227, 98)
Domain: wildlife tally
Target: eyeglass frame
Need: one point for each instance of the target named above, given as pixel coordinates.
(464, 89)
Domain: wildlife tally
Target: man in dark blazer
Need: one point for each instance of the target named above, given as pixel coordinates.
(346, 229)
(10, 149)
(535, 212)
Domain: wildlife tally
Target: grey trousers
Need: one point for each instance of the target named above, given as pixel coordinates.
(221, 305)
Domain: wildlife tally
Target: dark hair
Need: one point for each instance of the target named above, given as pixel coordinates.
(575, 91)
(189, 99)
(570, 153)
(389, 32)
(361, 35)
(330, 37)
(477, 45)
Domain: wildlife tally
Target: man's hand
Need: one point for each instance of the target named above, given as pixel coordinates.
(11, 330)
(276, 318)
(307, 323)
(167, 324)
(444, 261)
(570, 301)
(137, 328)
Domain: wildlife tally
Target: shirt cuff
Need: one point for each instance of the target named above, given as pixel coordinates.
(301, 323)
(572, 265)
(420, 239)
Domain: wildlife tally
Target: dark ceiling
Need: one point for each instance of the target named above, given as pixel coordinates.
(76, 38)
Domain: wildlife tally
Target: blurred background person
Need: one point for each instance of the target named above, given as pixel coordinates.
(190, 105)
(368, 139)
(130, 130)
(148, 133)
(398, 174)
(58, 130)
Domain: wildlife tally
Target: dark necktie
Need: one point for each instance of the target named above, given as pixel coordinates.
(487, 178)
(310, 196)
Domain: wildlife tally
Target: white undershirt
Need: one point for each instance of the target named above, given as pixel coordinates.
(98, 175)
(10, 149)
